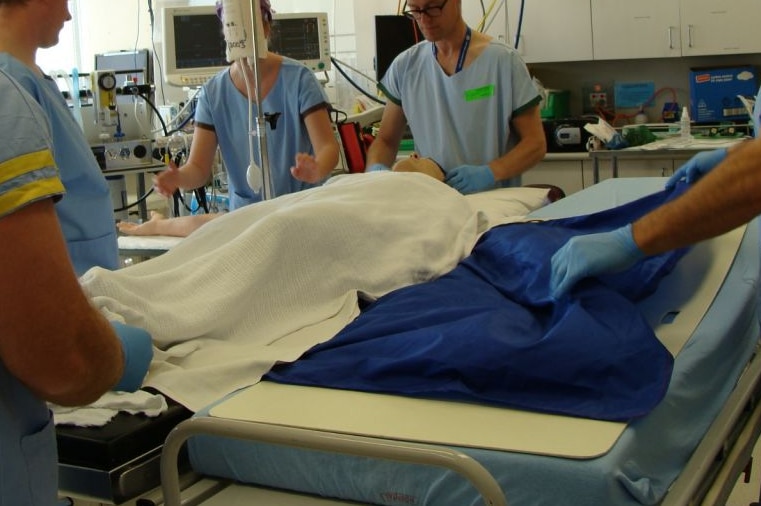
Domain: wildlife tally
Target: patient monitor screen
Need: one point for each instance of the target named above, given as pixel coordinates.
(303, 37)
(199, 41)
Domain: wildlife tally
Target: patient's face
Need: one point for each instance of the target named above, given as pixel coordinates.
(423, 165)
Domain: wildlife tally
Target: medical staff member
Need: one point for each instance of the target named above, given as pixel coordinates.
(725, 195)
(470, 103)
(54, 346)
(86, 213)
(301, 146)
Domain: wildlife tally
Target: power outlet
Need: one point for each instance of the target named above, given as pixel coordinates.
(598, 99)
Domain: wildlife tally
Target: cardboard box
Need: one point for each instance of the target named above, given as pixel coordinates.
(713, 93)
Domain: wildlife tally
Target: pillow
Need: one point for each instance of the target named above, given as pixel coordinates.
(507, 205)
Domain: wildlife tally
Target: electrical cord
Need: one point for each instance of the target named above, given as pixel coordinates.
(153, 45)
(152, 106)
(353, 83)
(137, 202)
(520, 24)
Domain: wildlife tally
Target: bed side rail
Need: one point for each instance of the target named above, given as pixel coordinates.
(401, 451)
(712, 470)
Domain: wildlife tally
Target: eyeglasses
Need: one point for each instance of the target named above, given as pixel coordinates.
(433, 11)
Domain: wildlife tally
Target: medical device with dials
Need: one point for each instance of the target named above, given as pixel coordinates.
(103, 86)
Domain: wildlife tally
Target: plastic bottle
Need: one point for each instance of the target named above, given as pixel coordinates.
(684, 124)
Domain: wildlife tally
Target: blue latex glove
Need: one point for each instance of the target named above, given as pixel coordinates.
(592, 254)
(470, 178)
(377, 167)
(697, 166)
(138, 352)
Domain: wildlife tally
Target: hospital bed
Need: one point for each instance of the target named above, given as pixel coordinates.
(303, 444)
(719, 412)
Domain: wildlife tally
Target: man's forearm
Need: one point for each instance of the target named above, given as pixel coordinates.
(725, 198)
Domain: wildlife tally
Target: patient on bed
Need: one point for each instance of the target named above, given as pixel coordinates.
(182, 226)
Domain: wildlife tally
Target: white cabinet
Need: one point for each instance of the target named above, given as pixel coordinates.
(725, 27)
(670, 28)
(552, 30)
(635, 29)
(565, 174)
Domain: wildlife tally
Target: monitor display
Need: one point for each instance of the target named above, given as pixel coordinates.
(302, 36)
(393, 34)
(194, 45)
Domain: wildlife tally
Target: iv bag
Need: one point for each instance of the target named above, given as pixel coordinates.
(254, 177)
(238, 29)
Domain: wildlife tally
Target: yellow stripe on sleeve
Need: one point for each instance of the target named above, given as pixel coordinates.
(25, 163)
(26, 179)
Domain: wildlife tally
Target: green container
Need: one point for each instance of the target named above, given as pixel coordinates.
(556, 105)
(407, 145)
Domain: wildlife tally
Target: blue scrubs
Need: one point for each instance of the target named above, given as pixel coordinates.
(463, 118)
(86, 213)
(28, 471)
(222, 107)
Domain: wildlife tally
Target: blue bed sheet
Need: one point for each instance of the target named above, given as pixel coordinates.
(489, 331)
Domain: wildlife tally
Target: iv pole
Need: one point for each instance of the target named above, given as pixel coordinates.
(261, 132)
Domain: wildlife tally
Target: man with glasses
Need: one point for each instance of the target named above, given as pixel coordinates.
(470, 103)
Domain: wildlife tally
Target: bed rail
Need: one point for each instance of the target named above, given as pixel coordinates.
(711, 472)
(326, 441)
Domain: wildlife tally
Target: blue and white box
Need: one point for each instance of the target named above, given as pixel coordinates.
(714, 91)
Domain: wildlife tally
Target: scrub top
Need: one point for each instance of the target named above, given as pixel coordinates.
(86, 212)
(223, 108)
(463, 118)
(28, 455)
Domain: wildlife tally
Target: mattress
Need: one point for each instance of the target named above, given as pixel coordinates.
(637, 469)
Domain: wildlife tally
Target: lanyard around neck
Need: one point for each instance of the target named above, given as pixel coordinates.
(463, 50)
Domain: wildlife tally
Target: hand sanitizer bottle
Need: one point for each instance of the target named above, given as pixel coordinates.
(684, 124)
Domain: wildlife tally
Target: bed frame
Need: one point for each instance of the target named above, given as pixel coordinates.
(707, 479)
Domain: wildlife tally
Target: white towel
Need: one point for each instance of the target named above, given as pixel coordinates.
(267, 282)
(104, 409)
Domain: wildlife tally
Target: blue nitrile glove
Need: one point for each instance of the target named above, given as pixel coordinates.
(592, 254)
(697, 166)
(377, 167)
(470, 178)
(138, 352)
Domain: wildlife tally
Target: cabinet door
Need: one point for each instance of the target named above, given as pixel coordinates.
(565, 174)
(635, 29)
(725, 27)
(552, 30)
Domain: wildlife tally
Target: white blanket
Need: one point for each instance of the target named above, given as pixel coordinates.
(267, 282)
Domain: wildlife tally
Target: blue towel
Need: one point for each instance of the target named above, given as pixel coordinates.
(489, 332)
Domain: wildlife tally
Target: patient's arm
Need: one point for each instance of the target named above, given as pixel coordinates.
(180, 226)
